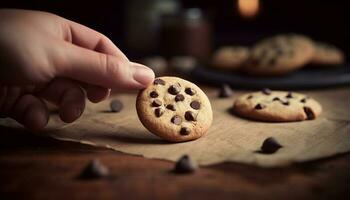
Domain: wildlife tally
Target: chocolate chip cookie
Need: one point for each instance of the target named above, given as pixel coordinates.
(174, 109)
(277, 106)
(230, 57)
(327, 55)
(279, 55)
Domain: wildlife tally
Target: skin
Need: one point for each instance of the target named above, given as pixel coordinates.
(46, 58)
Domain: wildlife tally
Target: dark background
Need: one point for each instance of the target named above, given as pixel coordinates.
(322, 20)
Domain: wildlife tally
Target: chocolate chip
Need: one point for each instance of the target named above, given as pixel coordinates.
(286, 103)
(266, 91)
(195, 105)
(225, 91)
(309, 113)
(94, 170)
(156, 103)
(153, 94)
(174, 89)
(185, 165)
(190, 116)
(270, 145)
(179, 97)
(289, 95)
(276, 99)
(158, 112)
(190, 91)
(116, 105)
(185, 131)
(176, 120)
(303, 100)
(250, 97)
(159, 81)
(171, 107)
(259, 106)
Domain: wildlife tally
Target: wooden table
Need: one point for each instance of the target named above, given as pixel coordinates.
(33, 167)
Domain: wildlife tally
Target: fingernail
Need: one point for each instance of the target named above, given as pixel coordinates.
(142, 74)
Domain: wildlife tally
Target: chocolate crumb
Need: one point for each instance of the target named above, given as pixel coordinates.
(171, 107)
(270, 145)
(259, 106)
(156, 103)
(158, 112)
(190, 91)
(190, 116)
(116, 105)
(153, 94)
(159, 81)
(225, 91)
(174, 89)
(309, 113)
(94, 170)
(195, 105)
(185, 131)
(185, 165)
(176, 120)
(266, 91)
(179, 97)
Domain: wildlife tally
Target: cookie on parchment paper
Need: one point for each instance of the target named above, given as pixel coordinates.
(277, 106)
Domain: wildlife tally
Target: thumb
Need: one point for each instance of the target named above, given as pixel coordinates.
(109, 71)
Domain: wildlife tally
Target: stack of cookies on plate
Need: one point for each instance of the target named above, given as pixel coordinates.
(278, 55)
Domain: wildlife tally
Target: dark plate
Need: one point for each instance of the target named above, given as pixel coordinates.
(307, 78)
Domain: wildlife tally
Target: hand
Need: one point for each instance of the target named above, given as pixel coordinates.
(46, 57)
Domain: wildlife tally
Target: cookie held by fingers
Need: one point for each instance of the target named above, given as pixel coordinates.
(174, 109)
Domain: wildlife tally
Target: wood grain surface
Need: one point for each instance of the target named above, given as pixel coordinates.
(33, 167)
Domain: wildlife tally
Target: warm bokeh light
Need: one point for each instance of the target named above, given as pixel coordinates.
(248, 8)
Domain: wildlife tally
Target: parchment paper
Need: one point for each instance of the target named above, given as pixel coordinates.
(229, 139)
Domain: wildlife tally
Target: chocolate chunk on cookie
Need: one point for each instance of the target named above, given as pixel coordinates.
(278, 106)
(174, 109)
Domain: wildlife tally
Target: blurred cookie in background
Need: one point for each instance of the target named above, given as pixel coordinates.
(279, 55)
(327, 55)
(229, 57)
(157, 63)
(183, 64)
